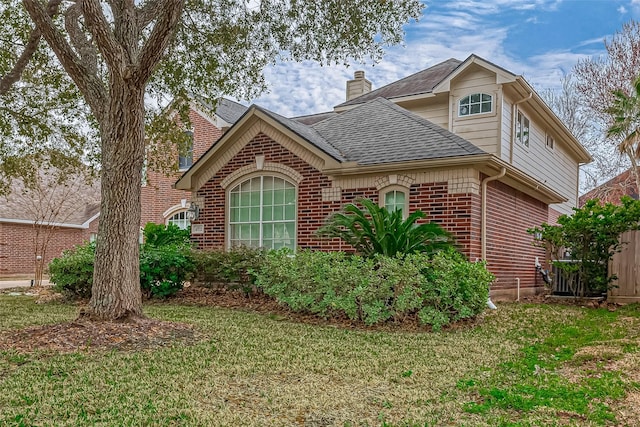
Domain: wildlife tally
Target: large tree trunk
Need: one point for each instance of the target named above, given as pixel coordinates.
(116, 294)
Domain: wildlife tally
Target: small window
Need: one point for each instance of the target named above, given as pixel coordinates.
(185, 158)
(522, 129)
(550, 142)
(180, 220)
(476, 103)
(395, 200)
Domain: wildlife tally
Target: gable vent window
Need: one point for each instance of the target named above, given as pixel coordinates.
(476, 103)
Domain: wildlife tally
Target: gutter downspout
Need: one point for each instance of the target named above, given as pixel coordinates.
(513, 124)
(483, 224)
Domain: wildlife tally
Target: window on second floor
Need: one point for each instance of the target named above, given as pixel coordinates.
(522, 129)
(550, 142)
(476, 103)
(185, 156)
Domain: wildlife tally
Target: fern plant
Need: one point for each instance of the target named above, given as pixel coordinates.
(374, 230)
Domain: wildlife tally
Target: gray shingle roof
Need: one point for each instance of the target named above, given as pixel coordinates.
(380, 132)
(230, 111)
(311, 119)
(421, 82)
(75, 202)
(305, 132)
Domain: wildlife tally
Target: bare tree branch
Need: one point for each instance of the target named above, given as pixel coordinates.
(89, 84)
(30, 48)
(147, 13)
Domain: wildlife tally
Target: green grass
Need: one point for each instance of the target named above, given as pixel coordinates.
(522, 365)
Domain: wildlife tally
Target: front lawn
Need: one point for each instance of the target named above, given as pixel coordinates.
(523, 364)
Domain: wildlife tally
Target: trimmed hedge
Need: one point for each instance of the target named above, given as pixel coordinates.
(233, 268)
(440, 289)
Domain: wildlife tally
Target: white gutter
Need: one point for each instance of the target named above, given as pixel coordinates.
(85, 225)
(483, 225)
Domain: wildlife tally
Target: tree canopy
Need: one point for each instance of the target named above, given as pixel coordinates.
(70, 67)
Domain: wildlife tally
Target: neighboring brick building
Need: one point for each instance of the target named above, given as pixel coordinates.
(432, 141)
(78, 222)
(37, 225)
(612, 190)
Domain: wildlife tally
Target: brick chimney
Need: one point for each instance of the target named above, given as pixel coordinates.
(358, 86)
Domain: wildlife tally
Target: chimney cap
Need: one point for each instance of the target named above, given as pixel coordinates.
(358, 74)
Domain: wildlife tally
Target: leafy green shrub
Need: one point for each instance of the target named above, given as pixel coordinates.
(72, 273)
(234, 268)
(165, 260)
(374, 230)
(440, 289)
(591, 236)
(164, 269)
(162, 235)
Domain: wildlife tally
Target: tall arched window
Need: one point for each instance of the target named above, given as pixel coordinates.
(180, 219)
(262, 213)
(476, 103)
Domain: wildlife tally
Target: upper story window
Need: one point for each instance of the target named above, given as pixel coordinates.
(522, 129)
(476, 103)
(262, 213)
(550, 142)
(185, 158)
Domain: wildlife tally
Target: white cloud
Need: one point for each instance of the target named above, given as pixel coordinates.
(622, 10)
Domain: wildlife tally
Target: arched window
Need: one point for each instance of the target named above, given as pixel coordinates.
(395, 199)
(180, 219)
(262, 213)
(476, 103)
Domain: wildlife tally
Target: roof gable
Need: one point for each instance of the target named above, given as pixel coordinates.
(419, 83)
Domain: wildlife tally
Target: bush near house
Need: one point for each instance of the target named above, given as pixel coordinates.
(439, 289)
(591, 236)
(234, 269)
(165, 264)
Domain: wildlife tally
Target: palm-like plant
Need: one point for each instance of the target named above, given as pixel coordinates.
(374, 230)
(625, 113)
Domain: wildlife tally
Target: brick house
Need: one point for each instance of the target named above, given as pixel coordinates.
(612, 190)
(467, 142)
(36, 226)
(20, 227)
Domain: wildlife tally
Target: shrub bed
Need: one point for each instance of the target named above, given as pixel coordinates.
(234, 269)
(440, 289)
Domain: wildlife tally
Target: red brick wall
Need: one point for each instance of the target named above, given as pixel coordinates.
(510, 212)
(158, 195)
(510, 253)
(17, 246)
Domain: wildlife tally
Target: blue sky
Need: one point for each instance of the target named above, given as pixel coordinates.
(539, 39)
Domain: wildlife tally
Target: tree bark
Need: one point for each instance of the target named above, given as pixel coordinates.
(116, 293)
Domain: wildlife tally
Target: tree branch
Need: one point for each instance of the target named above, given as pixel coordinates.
(30, 48)
(114, 54)
(154, 49)
(89, 84)
(147, 13)
(79, 40)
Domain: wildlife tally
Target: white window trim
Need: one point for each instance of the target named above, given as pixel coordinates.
(546, 139)
(515, 130)
(245, 177)
(174, 213)
(490, 112)
(400, 188)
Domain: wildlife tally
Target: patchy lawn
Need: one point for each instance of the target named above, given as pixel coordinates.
(524, 364)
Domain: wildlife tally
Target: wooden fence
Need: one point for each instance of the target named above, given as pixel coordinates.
(626, 265)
